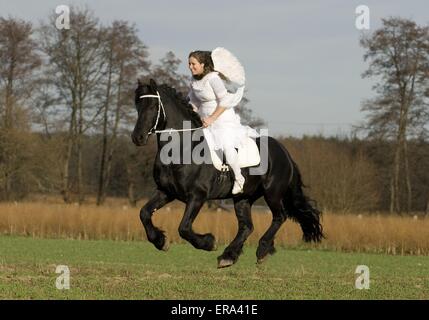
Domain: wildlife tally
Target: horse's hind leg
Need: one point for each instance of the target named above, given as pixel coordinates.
(245, 227)
(155, 235)
(266, 243)
(199, 241)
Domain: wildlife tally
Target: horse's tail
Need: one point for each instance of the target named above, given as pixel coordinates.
(302, 209)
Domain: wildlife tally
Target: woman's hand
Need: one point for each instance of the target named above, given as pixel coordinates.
(212, 118)
(208, 121)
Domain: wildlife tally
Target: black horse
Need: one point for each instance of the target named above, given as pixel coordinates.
(160, 108)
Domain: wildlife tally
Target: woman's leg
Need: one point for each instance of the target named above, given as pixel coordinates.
(231, 156)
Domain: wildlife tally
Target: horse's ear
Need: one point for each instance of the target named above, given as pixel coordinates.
(153, 85)
(139, 82)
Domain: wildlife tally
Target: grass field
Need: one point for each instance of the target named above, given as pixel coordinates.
(105, 269)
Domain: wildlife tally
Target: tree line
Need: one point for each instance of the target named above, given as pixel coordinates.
(67, 109)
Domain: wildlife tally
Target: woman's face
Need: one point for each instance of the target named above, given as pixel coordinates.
(195, 67)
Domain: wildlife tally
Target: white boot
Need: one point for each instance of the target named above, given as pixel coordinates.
(238, 185)
(232, 159)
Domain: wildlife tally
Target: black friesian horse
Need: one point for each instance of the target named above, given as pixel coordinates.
(194, 184)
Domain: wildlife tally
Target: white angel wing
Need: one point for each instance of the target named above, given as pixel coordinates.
(226, 63)
(233, 99)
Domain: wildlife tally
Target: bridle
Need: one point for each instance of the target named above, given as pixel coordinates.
(161, 108)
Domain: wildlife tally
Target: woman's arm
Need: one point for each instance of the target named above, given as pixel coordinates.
(212, 118)
(192, 100)
(220, 93)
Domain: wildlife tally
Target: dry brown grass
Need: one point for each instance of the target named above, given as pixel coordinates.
(117, 221)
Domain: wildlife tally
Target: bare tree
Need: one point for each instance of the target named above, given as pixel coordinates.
(399, 58)
(18, 61)
(126, 57)
(75, 66)
(166, 72)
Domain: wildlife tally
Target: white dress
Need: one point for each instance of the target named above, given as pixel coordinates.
(226, 131)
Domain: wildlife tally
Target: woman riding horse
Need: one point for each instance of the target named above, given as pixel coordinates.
(162, 111)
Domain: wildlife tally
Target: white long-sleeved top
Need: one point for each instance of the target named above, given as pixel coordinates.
(208, 93)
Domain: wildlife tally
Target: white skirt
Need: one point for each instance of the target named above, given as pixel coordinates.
(226, 131)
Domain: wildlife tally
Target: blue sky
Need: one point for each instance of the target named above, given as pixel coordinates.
(302, 58)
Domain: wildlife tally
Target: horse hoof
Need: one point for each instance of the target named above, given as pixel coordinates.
(262, 260)
(166, 245)
(224, 263)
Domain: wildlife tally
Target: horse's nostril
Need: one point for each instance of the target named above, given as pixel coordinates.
(140, 137)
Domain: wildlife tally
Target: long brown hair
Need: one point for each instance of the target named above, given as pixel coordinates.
(205, 57)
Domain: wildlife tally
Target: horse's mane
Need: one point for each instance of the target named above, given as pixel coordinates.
(182, 102)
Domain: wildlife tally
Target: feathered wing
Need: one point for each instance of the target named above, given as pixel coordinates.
(233, 99)
(226, 63)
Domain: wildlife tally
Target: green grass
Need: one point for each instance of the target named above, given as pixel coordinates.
(136, 270)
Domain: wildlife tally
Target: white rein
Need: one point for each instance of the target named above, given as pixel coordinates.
(161, 107)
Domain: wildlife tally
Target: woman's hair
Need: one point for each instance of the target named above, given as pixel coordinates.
(205, 57)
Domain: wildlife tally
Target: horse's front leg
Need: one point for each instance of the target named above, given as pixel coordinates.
(245, 227)
(155, 235)
(199, 241)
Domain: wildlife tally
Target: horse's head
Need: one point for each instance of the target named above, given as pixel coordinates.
(147, 104)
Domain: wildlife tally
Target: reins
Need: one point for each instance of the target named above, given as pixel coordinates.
(161, 107)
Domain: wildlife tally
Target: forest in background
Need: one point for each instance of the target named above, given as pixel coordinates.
(67, 111)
